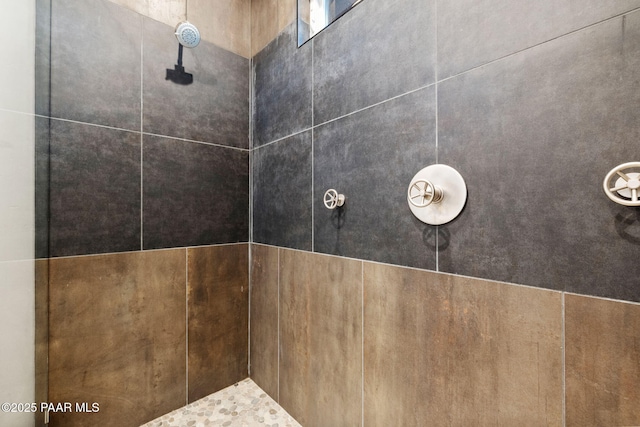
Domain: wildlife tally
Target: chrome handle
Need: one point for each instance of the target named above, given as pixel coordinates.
(333, 199)
(625, 189)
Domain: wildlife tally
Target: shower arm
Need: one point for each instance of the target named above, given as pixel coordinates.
(180, 54)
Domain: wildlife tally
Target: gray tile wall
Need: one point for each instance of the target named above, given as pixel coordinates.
(136, 161)
(532, 103)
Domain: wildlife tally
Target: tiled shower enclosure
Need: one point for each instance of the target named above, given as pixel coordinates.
(181, 242)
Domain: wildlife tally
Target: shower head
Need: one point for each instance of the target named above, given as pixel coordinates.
(179, 76)
(187, 34)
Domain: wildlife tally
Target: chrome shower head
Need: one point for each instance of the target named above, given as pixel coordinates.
(187, 34)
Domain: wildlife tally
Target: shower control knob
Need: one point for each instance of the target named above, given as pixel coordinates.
(626, 189)
(332, 199)
(422, 193)
(437, 194)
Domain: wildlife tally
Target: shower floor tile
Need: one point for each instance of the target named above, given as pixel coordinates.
(241, 405)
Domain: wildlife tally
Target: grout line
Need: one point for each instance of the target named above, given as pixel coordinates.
(251, 158)
(362, 341)
(23, 113)
(436, 76)
(147, 250)
(314, 126)
(141, 193)
(278, 312)
(437, 249)
(142, 138)
(313, 217)
(282, 138)
(250, 135)
(564, 368)
(436, 124)
(250, 201)
(428, 270)
(603, 298)
(196, 142)
(48, 286)
(249, 288)
(570, 33)
(376, 104)
(452, 76)
(85, 123)
(186, 292)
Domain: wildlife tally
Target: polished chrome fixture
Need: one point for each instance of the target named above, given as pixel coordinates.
(624, 190)
(437, 194)
(332, 199)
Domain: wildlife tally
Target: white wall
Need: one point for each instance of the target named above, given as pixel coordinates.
(17, 324)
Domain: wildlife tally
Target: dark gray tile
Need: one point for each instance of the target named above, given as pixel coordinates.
(378, 50)
(95, 63)
(214, 108)
(282, 203)
(534, 135)
(474, 32)
(371, 157)
(42, 187)
(43, 58)
(94, 189)
(282, 88)
(194, 194)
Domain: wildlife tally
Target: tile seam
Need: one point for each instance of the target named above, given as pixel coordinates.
(602, 298)
(193, 141)
(345, 115)
(561, 36)
(436, 124)
(564, 364)
(142, 137)
(143, 250)
(60, 119)
(447, 273)
(186, 291)
(249, 288)
(313, 219)
(362, 341)
(278, 315)
(176, 138)
(450, 77)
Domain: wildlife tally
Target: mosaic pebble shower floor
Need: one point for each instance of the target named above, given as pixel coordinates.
(241, 405)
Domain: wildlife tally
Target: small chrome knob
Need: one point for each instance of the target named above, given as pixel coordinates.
(422, 193)
(332, 199)
(626, 190)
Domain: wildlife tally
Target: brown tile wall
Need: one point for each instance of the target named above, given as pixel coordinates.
(218, 303)
(118, 330)
(42, 335)
(264, 318)
(602, 362)
(320, 339)
(387, 345)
